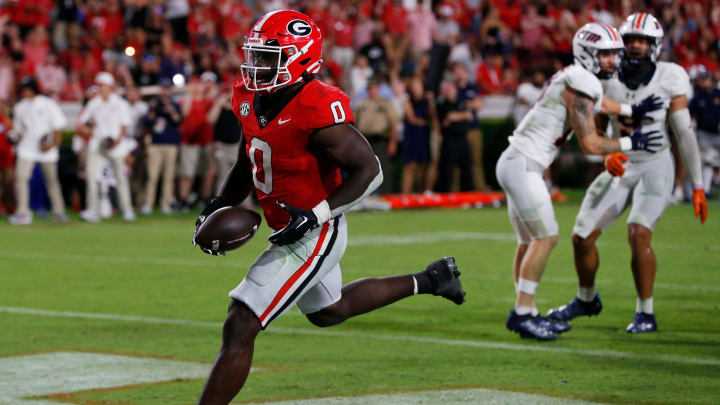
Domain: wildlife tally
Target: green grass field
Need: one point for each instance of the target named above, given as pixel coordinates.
(141, 290)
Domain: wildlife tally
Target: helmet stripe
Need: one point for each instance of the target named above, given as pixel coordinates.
(638, 20)
(645, 20)
(262, 21)
(609, 31)
(612, 31)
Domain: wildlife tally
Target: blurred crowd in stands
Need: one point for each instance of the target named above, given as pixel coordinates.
(417, 71)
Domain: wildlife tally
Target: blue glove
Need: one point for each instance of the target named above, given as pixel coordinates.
(300, 224)
(649, 104)
(644, 140)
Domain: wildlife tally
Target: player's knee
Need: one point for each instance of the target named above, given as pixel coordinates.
(639, 236)
(241, 326)
(582, 244)
(332, 315)
(550, 241)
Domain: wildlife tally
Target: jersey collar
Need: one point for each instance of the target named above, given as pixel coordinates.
(268, 107)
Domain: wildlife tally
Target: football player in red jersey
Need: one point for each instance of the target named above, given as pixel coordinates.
(297, 136)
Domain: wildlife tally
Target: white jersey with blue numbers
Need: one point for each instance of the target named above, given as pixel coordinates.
(546, 126)
(668, 81)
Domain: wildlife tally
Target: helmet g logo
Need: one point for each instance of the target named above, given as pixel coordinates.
(299, 28)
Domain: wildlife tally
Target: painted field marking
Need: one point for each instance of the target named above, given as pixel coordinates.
(67, 372)
(426, 238)
(445, 397)
(479, 344)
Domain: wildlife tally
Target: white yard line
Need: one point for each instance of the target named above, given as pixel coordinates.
(478, 344)
(445, 397)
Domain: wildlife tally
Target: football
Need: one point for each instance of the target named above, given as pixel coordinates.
(47, 140)
(228, 228)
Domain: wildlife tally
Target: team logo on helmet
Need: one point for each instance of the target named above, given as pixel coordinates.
(589, 36)
(299, 28)
(245, 109)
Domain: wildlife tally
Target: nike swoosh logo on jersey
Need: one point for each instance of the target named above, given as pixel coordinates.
(280, 121)
(301, 223)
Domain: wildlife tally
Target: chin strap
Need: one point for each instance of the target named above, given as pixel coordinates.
(635, 74)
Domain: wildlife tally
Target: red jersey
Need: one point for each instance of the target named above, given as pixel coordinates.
(283, 166)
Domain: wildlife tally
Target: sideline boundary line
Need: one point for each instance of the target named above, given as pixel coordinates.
(479, 344)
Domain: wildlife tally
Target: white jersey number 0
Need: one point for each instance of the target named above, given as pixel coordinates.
(257, 145)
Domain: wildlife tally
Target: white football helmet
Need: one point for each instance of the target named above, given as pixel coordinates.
(646, 26)
(594, 37)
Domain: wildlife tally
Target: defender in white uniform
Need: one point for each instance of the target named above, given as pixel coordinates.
(647, 180)
(566, 106)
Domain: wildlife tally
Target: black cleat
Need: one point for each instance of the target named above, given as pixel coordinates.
(642, 323)
(576, 308)
(554, 325)
(445, 278)
(529, 326)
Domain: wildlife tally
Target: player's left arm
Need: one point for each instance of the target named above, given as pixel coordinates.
(681, 123)
(347, 148)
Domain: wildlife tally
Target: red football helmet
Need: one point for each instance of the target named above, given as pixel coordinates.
(281, 47)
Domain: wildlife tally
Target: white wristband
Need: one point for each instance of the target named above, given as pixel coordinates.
(322, 212)
(626, 110)
(625, 144)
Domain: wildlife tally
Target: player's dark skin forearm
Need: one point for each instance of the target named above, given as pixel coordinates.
(347, 148)
(238, 183)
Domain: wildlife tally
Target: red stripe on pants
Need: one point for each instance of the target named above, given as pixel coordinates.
(299, 272)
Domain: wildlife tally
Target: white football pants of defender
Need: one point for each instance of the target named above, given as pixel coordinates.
(528, 200)
(647, 184)
(305, 273)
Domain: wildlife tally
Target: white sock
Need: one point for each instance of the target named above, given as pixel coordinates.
(586, 294)
(644, 305)
(415, 287)
(524, 310)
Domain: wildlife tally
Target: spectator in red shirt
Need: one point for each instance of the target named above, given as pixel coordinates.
(341, 34)
(7, 163)
(490, 71)
(35, 49)
(395, 18)
(29, 14)
(196, 139)
(236, 20)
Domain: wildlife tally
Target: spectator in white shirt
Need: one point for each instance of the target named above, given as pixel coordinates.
(109, 116)
(37, 122)
(527, 94)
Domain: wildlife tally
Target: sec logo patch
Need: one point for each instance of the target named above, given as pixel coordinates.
(245, 109)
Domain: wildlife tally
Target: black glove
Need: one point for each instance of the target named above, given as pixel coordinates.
(301, 223)
(650, 103)
(215, 204)
(643, 141)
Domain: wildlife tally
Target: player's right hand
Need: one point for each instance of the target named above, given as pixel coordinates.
(648, 104)
(614, 163)
(644, 141)
(215, 204)
(700, 204)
